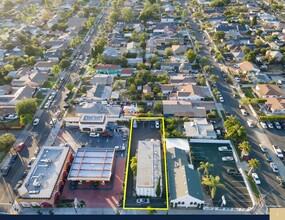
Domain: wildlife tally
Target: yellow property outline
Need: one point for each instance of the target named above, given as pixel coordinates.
(128, 159)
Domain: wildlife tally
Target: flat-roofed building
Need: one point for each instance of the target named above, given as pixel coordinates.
(46, 178)
(149, 169)
(93, 122)
(92, 164)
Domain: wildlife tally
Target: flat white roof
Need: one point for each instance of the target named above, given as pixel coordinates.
(42, 178)
(149, 163)
(181, 143)
(92, 118)
(90, 164)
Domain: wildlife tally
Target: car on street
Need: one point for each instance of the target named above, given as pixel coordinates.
(268, 158)
(278, 151)
(224, 148)
(18, 185)
(52, 122)
(227, 158)
(66, 106)
(222, 99)
(281, 181)
(20, 147)
(244, 112)
(36, 121)
(6, 170)
(31, 161)
(47, 105)
(125, 137)
(232, 171)
(263, 124)
(274, 167)
(13, 158)
(249, 123)
(94, 135)
(143, 201)
(256, 178)
(263, 148)
(11, 117)
(269, 124)
(277, 125)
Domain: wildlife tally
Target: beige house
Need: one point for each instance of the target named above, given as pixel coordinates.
(246, 67)
(269, 91)
(275, 105)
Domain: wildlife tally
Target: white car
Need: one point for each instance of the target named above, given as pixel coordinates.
(37, 151)
(47, 105)
(228, 158)
(225, 148)
(263, 124)
(11, 117)
(277, 125)
(274, 167)
(237, 79)
(256, 178)
(94, 135)
(250, 124)
(222, 99)
(156, 124)
(52, 122)
(118, 148)
(278, 151)
(244, 112)
(263, 148)
(36, 121)
(270, 125)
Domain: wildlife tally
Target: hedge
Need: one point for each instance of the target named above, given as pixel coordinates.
(271, 118)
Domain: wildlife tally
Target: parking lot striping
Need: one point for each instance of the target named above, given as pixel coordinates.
(119, 179)
(114, 199)
(111, 204)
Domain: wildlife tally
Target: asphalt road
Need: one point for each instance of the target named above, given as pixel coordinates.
(269, 186)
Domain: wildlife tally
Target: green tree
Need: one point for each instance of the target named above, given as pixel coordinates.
(64, 64)
(158, 188)
(158, 107)
(169, 51)
(6, 141)
(213, 79)
(127, 14)
(208, 69)
(253, 164)
(69, 86)
(9, 46)
(205, 166)
(213, 183)
(201, 79)
(253, 21)
(26, 119)
(250, 57)
(191, 55)
(26, 106)
(113, 17)
(203, 61)
(219, 35)
(134, 165)
(244, 147)
(56, 70)
(258, 42)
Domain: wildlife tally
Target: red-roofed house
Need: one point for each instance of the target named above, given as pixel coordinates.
(108, 68)
(126, 72)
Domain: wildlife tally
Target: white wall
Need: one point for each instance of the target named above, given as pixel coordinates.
(186, 202)
(145, 191)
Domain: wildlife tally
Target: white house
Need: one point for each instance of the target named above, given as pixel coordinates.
(200, 128)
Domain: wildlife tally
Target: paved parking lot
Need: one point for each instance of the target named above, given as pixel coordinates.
(144, 130)
(235, 191)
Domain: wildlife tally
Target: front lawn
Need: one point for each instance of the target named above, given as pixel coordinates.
(248, 92)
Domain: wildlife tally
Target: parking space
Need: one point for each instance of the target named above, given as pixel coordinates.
(144, 130)
(235, 191)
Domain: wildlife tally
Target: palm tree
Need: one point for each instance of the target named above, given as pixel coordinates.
(134, 165)
(252, 164)
(245, 147)
(205, 166)
(214, 183)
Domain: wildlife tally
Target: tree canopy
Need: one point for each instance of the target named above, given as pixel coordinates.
(26, 106)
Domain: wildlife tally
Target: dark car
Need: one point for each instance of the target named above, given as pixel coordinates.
(152, 124)
(107, 134)
(66, 106)
(73, 185)
(13, 158)
(233, 172)
(65, 98)
(6, 170)
(268, 158)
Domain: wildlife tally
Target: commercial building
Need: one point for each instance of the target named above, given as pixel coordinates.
(149, 168)
(200, 128)
(92, 164)
(45, 181)
(93, 122)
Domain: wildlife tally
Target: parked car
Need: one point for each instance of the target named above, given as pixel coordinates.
(263, 124)
(256, 178)
(227, 158)
(263, 148)
(233, 172)
(268, 158)
(225, 148)
(6, 170)
(120, 148)
(269, 124)
(125, 137)
(156, 124)
(250, 124)
(66, 106)
(32, 160)
(107, 134)
(20, 147)
(222, 99)
(244, 112)
(277, 125)
(13, 158)
(94, 135)
(278, 151)
(143, 201)
(36, 121)
(18, 185)
(274, 167)
(11, 117)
